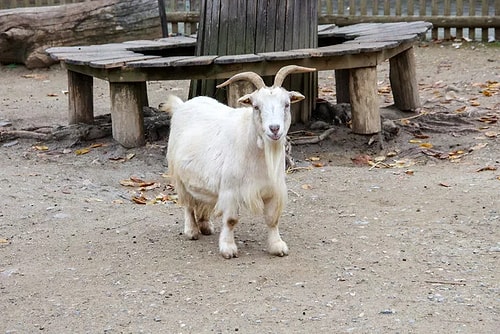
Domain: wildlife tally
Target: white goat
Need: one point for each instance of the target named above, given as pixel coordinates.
(222, 159)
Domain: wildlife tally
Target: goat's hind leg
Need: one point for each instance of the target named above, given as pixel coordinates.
(204, 224)
(191, 229)
(276, 245)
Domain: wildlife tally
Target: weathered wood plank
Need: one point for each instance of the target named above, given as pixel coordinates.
(243, 58)
(85, 59)
(194, 61)
(403, 78)
(127, 120)
(364, 100)
(119, 61)
(80, 98)
(157, 62)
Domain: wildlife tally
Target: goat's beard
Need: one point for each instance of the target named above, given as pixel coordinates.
(274, 153)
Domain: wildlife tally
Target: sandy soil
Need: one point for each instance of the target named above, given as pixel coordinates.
(409, 244)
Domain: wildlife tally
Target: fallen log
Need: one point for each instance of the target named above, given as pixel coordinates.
(156, 127)
(25, 33)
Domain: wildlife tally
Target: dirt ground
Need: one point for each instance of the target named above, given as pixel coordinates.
(398, 238)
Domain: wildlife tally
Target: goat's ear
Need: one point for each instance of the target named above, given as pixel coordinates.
(296, 97)
(246, 100)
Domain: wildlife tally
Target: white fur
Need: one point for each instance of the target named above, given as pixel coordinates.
(224, 159)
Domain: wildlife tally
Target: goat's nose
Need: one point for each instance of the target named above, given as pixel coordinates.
(274, 128)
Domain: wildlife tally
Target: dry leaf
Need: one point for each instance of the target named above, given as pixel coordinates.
(306, 187)
(139, 199)
(491, 134)
(414, 141)
(482, 169)
(82, 151)
(41, 148)
(426, 145)
(147, 187)
(314, 158)
(362, 159)
(444, 184)
(478, 146)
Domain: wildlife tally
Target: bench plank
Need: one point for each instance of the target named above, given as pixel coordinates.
(244, 58)
(157, 62)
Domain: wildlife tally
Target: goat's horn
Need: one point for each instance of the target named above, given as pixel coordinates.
(248, 76)
(284, 71)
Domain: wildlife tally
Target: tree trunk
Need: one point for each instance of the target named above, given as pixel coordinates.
(25, 33)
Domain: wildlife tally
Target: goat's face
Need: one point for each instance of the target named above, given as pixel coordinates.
(271, 106)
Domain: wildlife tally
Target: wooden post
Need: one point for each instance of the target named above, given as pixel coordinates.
(232, 27)
(80, 98)
(364, 100)
(342, 86)
(127, 100)
(403, 77)
(237, 90)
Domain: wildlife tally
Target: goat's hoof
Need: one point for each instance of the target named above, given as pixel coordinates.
(228, 251)
(191, 234)
(207, 228)
(278, 248)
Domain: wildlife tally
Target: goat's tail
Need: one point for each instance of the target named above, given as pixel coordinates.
(170, 105)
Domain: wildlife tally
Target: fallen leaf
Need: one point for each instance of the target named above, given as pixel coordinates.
(52, 95)
(4, 241)
(318, 164)
(306, 187)
(426, 145)
(478, 146)
(41, 148)
(491, 134)
(414, 141)
(409, 172)
(446, 185)
(139, 199)
(314, 158)
(82, 151)
(482, 169)
(362, 159)
(96, 145)
(150, 186)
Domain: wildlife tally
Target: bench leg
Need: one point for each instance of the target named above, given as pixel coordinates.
(342, 86)
(402, 74)
(80, 97)
(127, 119)
(364, 100)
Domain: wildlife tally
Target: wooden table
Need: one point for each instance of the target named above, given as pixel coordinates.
(352, 51)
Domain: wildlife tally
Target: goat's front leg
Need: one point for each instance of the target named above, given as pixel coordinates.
(276, 245)
(227, 246)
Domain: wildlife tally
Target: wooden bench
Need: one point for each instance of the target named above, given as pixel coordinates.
(352, 51)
